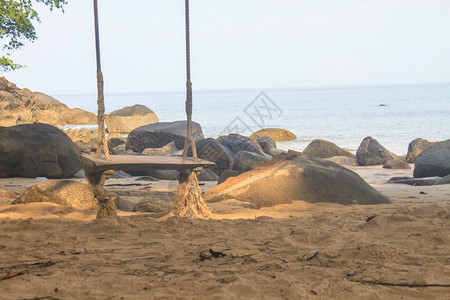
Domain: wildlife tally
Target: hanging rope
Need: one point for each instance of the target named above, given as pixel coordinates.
(188, 199)
(101, 140)
(189, 141)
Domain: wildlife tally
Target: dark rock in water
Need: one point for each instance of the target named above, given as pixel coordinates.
(415, 148)
(325, 149)
(434, 161)
(290, 177)
(227, 174)
(63, 192)
(370, 153)
(266, 143)
(415, 181)
(213, 151)
(236, 143)
(160, 134)
(34, 150)
(344, 160)
(397, 164)
(245, 160)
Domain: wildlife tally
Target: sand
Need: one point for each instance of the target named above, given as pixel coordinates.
(296, 251)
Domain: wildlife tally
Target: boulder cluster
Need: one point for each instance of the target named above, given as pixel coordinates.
(251, 168)
(22, 106)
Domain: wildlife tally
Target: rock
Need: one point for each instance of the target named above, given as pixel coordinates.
(85, 139)
(124, 204)
(227, 174)
(77, 116)
(433, 161)
(277, 134)
(3, 84)
(21, 106)
(415, 148)
(120, 150)
(215, 152)
(266, 143)
(5, 194)
(166, 150)
(344, 160)
(160, 134)
(274, 152)
(32, 150)
(236, 143)
(48, 117)
(63, 192)
(116, 145)
(114, 142)
(128, 118)
(207, 175)
(245, 160)
(370, 153)
(415, 181)
(290, 177)
(325, 149)
(41, 101)
(397, 164)
(444, 180)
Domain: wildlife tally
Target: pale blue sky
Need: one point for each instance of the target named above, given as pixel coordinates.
(241, 44)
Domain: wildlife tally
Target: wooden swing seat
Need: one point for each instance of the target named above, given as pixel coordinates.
(96, 164)
(98, 170)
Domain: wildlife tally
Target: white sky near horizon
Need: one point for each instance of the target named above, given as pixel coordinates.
(246, 44)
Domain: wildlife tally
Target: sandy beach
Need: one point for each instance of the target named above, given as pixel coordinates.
(295, 251)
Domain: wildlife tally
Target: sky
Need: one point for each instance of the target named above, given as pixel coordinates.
(238, 44)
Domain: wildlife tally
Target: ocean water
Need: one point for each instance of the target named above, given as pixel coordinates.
(393, 115)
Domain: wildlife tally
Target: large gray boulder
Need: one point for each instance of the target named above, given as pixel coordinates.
(236, 143)
(290, 177)
(158, 135)
(434, 161)
(415, 148)
(266, 143)
(213, 151)
(325, 149)
(245, 160)
(370, 153)
(32, 150)
(63, 192)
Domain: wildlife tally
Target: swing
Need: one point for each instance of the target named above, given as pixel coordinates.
(188, 200)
